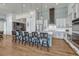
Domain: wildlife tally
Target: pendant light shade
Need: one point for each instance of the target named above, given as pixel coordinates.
(41, 17)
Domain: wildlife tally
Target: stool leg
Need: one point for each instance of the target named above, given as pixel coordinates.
(47, 46)
(19, 41)
(41, 45)
(15, 40)
(25, 41)
(29, 42)
(32, 43)
(38, 43)
(22, 41)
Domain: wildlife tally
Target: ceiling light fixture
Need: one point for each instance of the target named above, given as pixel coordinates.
(41, 12)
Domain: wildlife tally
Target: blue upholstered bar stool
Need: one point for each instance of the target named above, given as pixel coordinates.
(30, 39)
(35, 39)
(26, 37)
(21, 36)
(17, 34)
(41, 37)
(45, 42)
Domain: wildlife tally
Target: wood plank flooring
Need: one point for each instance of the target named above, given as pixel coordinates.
(9, 48)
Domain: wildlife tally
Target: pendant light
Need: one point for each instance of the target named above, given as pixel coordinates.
(22, 8)
(41, 17)
(31, 9)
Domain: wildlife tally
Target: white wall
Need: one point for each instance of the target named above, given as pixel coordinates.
(5, 26)
(61, 23)
(2, 20)
(61, 12)
(1, 25)
(30, 20)
(8, 25)
(77, 5)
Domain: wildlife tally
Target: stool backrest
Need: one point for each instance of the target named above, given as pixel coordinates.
(34, 34)
(20, 33)
(41, 35)
(17, 33)
(44, 35)
(26, 33)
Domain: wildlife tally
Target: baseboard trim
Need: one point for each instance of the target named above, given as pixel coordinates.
(72, 46)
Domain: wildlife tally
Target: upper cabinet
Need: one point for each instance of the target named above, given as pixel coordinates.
(61, 12)
(73, 11)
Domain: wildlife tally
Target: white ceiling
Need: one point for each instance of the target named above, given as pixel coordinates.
(17, 8)
(23, 7)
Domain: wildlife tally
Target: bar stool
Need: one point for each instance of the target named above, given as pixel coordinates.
(17, 34)
(41, 37)
(35, 39)
(30, 39)
(21, 36)
(26, 37)
(45, 42)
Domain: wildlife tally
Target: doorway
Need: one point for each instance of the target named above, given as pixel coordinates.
(52, 15)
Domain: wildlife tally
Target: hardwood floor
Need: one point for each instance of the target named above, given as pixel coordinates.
(9, 48)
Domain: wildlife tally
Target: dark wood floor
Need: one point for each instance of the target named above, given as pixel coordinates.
(9, 48)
